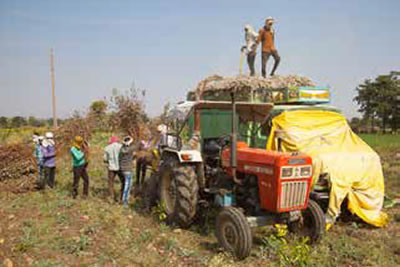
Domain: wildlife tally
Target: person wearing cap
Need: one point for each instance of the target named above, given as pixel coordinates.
(266, 36)
(250, 35)
(126, 166)
(37, 140)
(79, 163)
(49, 160)
(111, 158)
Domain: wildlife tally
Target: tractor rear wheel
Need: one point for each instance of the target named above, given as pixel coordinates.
(312, 222)
(233, 232)
(179, 194)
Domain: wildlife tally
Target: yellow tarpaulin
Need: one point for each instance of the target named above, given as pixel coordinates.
(354, 168)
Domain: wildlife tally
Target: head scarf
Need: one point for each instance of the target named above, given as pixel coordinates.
(113, 139)
(162, 128)
(270, 19)
(127, 141)
(250, 29)
(49, 139)
(78, 140)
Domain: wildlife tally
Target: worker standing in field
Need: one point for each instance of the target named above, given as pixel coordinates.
(250, 35)
(111, 158)
(143, 157)
(37, 140)
(48, 150)
(79, 163)
(266, 36)
(126, 166)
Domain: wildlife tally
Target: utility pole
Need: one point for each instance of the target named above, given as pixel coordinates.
(53, 88)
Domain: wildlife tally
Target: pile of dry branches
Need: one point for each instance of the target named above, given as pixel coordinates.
(16, 162)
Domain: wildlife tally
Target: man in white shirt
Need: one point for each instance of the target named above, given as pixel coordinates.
(111, 158)
(250, 35)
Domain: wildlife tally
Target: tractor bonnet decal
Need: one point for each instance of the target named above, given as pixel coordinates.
(258, 169)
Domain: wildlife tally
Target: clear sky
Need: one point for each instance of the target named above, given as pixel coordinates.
(166, 47)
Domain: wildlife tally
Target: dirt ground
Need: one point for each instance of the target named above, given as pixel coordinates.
(51, 229)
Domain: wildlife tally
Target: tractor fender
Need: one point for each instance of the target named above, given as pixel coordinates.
(186, 156)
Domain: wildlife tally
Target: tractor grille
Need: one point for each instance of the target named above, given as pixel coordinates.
(294, 194)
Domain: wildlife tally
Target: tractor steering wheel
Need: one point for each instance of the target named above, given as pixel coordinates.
(224, 140)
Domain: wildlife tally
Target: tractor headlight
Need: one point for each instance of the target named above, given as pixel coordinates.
(287, 172)
(186, 157)
(305, 171)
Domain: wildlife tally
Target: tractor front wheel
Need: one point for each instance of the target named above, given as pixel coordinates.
(233, 232)
(179, 194)
(312, 222)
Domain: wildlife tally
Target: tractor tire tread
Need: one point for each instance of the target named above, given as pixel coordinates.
(317, 212)
(187, 195)
(245, 239)
(319, 222)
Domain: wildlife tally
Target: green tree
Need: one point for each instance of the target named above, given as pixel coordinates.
(355, 124)
(3, 122)
(395, 119)
(32, 121)
(49, 122)
(42, 122)
(18, 121)
(98, 107)
(379, 100)
(365, 98)
(98, 113)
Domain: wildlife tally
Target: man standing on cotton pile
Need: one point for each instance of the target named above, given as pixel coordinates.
(266, 36)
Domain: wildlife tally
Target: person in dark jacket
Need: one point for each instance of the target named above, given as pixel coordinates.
(126, 166)
(49, 160)
(79, 163)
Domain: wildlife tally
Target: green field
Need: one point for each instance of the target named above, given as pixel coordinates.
(382, 141)
(52, 229)
(20, 135)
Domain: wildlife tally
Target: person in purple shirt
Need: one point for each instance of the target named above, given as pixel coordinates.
(49, 160)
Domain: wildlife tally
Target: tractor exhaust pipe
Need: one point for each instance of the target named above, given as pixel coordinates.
(234, 140)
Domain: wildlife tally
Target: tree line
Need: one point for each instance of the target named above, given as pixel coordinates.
(379, 103)
(20, 121)
(123, 111)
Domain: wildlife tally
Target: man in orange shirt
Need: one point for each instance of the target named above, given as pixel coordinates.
(266, 36)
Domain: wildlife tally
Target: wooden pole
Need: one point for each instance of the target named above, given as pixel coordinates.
(53, 88)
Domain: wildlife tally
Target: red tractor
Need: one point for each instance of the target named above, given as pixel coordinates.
(253, 187)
